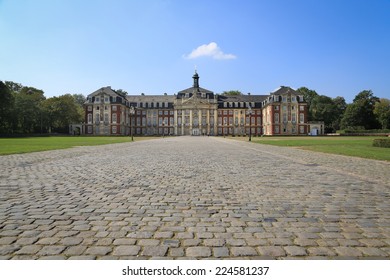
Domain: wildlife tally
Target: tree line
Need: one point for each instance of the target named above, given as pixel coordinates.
(25, 110)
(366, 112)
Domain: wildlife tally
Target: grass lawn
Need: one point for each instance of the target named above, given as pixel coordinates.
(34, 144)
(359, 146)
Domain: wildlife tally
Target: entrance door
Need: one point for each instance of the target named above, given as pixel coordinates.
(195, 132)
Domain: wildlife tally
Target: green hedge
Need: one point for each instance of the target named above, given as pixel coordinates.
(365, 131)
(383, 143)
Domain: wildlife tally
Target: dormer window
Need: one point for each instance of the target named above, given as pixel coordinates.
(106, 99)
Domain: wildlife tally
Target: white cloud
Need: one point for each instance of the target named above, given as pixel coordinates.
(211, 50)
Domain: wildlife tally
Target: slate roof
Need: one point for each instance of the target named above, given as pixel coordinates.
(284, 90)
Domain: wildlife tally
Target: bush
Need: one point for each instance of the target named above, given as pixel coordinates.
(367, 131)
(383, 143)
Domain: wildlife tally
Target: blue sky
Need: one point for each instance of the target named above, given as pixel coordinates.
(335, 47)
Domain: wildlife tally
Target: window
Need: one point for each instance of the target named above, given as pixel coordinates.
(97, 108)
(276, 129)
(97, 118)
(301, 108)
(106, 99)
(225, 112)
(160, 113)
(179, 120)
(114, 118)
(89, 129)
(301, 118)
(171, 121)
(166, 104)
(114, 108)
(106, 117)
(284, 117)
(293, 129)
(224, 104)
(89, 119)
(276, 118)
(97, 99)
(230, 112)
(89, 108)
(114, 130)
(284, 98)
(105, 108)
(114, 99)
(301, 129)
(166, 113)
(276, 108)
(293, 117)
(293, 99)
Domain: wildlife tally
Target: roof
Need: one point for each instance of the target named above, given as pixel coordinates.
(194, 89)
(242, 98)
(150, 98)
(107, 90)
(283, 90)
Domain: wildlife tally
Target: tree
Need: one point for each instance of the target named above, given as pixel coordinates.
(232, 93)
(13, 87)
(308, 96)
(6, 108)
(27, 116)
(60, 112)
(121, 92)
(382, 112)
(340, 106)
(79, 99)
(360, 114)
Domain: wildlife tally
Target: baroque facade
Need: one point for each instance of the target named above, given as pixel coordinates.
(196, 111)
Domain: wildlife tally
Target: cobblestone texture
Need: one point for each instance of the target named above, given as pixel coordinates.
(193, 197)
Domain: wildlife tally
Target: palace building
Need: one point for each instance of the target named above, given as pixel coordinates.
(197, 111)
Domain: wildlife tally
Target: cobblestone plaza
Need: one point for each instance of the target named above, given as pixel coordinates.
(193, 198)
